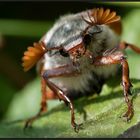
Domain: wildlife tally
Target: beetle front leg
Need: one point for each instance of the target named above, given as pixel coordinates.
(118, 58)
(62, 71)
(46, 76)
(62, 96)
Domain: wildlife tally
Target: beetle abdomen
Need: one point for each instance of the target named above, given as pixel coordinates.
(93, 87)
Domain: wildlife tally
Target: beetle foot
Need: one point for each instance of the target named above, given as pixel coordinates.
(128, 116)
(28, 124)
(77, 127)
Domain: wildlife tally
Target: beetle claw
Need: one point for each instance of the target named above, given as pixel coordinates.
(28, 124)
(77, 127)
(127, 116)
(126, 119)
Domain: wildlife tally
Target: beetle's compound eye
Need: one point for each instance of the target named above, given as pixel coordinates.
(63, 53)
(87, 39)
(90, 33)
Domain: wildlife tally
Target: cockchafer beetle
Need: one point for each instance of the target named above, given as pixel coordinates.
(76, 55)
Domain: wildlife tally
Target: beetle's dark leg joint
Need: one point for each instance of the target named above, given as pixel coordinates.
(123, 58)
(124, 45)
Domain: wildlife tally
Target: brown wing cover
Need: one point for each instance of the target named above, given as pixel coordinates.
(32, 55)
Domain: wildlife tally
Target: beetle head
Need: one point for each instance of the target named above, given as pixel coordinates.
(80, 46)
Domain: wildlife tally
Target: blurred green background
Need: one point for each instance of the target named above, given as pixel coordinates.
(22, 23)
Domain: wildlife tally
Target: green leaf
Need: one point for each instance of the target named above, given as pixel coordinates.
(100, 114)
(24, 28)
(7, 91)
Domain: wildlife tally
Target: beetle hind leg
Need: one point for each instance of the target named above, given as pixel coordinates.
(125, 45)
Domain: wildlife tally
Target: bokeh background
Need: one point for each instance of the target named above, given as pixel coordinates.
(21, 24)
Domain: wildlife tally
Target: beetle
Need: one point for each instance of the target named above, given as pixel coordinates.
(77, 55)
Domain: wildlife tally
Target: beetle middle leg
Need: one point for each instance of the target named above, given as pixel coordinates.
(118, 58)
(46, 95)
